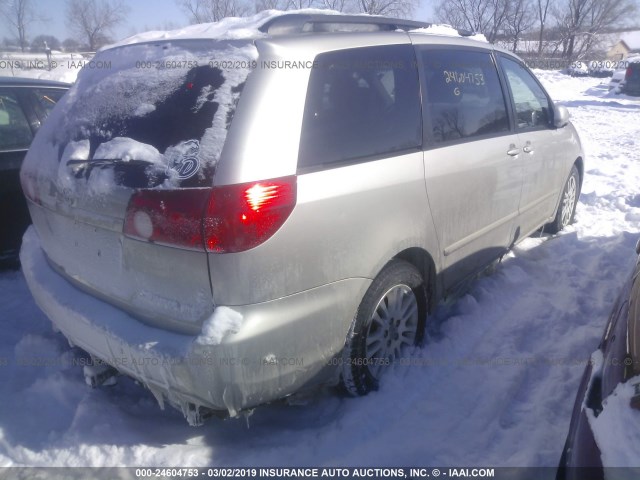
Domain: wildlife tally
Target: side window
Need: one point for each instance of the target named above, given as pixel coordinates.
(533, 109)
(463, 94)
(44, 99)
(15, 133)
(361, 102)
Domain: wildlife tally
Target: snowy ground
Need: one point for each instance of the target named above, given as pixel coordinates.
(64, 67)
(494, 384)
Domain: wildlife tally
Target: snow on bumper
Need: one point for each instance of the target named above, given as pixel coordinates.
(281, 347)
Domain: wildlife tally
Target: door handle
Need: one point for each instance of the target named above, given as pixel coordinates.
(513, 151)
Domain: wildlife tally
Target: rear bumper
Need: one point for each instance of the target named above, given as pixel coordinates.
(281, 346)
(632, 89)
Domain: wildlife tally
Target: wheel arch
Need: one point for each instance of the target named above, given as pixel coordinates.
(579, 163)
(422, 260)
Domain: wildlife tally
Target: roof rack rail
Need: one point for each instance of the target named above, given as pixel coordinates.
(291, 23)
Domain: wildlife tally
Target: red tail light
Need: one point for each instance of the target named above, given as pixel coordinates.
(170, 217)
(243, 216)
(628, 73)
(231, 218)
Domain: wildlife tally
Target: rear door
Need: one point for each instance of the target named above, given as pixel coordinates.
(472, 173)
(361, 191)
(149, 127)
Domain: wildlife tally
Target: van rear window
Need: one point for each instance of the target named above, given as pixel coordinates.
(155, 113)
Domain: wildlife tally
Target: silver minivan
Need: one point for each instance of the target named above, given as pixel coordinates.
(232, 220)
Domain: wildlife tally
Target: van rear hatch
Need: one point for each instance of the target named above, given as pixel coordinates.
(632, 78)
(146, 123)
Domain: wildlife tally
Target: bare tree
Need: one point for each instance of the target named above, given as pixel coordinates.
(520, 19)
(18, 15)
(580, 21)
(91, 21)
(270, 5)
(569, 18)
(543, 12)
(485, 16)
(70, 45)
(38, 43)
(339, 5)
(205, 11)
(399, 8)
(201, 11)
(299, 4)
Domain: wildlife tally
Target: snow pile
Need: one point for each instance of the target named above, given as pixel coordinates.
(73, 152)
(100, 182)
(64, 67)
(617, 428)
(224, 321)
(448, 31)
(127, 149)
(231, 28)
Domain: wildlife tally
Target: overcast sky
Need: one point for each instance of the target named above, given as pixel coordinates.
(143, 15)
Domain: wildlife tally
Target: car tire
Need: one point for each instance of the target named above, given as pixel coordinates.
(566, 212)
(390, 318)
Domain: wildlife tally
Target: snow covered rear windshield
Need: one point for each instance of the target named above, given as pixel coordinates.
(154, 113)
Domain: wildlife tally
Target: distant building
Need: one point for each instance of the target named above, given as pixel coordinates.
(628, 44)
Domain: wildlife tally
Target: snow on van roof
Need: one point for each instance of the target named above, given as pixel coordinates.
(231, 28)
(238, 28)
(448, 31)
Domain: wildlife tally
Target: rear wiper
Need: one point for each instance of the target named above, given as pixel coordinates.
(83, 168)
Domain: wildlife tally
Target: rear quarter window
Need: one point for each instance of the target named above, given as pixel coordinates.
(360, 103)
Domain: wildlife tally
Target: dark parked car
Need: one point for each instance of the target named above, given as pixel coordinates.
(24, 105)
(608, 398)
(631, 84)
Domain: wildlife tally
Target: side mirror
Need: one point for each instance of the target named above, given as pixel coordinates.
(560, 116)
